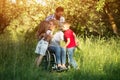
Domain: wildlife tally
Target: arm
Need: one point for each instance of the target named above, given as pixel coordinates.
(68, 42)
(76, 40)
(40, 36)
(48, 36)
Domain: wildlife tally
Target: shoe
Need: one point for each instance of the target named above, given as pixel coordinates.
(64, 68)
(59, 69)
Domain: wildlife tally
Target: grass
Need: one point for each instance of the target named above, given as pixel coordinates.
(98, 59)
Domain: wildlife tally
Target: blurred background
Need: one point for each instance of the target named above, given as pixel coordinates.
(96, 23)
(88, 17)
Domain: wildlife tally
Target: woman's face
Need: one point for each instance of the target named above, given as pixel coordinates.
(52, 26)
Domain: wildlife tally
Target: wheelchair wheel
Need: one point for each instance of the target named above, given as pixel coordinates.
(48, 60)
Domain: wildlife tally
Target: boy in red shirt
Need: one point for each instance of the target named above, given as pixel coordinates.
(71, 43)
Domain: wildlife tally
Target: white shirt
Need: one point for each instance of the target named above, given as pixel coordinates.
(59, 36)
(62, 19)
(49, 32)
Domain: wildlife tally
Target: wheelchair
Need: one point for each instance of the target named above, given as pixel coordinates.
(49, 61)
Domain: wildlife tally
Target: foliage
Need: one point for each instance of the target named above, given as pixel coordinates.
(86, 16)
(98, 59)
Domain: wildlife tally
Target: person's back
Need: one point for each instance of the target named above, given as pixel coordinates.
(70, 34)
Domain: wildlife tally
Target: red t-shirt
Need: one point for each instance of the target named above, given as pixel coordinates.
(69, 34)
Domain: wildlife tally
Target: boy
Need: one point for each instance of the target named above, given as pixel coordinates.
(71, 43)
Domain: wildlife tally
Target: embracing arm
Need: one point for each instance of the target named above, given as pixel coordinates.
(41, 36)
(68, 42)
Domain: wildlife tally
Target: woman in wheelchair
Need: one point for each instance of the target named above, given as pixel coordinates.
(59, 51)
(55, 40)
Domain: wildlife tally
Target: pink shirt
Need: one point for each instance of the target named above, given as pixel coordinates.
(69, 34)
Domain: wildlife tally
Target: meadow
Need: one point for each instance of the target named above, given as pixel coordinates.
(98, 59)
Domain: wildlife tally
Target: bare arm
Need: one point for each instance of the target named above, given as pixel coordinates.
(68, 42)
(40, 36)
(76, 40)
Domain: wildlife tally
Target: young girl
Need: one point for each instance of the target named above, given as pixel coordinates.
(44, 34)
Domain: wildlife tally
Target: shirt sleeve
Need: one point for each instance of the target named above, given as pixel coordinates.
(61, 35)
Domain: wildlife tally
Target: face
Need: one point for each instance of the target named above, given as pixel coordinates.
(65, 27)
(52, 26)
(59, 14)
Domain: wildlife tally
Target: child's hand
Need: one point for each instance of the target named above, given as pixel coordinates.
(77, 43)
(65, 46)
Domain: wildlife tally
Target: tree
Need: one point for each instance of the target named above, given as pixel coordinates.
(110, 7)
(87, 17)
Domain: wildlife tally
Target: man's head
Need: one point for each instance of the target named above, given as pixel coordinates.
(66, 26)
(59, 12)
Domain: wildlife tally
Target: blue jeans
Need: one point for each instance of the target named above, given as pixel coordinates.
(60, 54)
(71, 60)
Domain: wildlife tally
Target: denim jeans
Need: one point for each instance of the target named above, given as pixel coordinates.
(71, 60)
(60, 54)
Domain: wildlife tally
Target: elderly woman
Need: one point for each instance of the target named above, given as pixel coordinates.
(60, 52)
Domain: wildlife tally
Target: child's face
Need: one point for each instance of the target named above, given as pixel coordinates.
(65, 27)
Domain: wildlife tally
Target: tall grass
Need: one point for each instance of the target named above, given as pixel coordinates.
(98, 59)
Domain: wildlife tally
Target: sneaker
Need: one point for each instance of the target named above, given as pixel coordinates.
(59, 69)
(64, 68)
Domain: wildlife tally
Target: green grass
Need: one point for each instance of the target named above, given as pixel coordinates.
(98, 59)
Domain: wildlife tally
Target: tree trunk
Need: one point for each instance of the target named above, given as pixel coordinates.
(111, 19)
